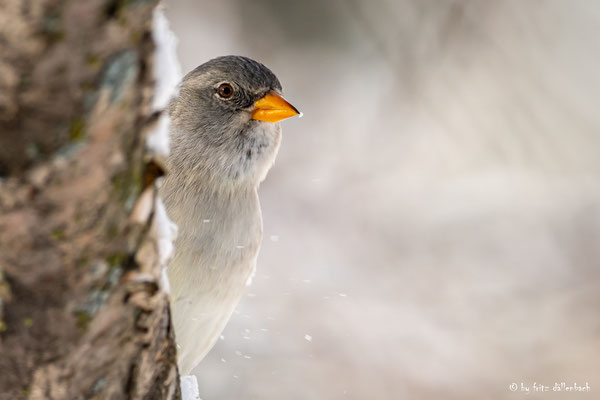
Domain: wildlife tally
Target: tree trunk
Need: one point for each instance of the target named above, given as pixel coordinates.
(82, 311)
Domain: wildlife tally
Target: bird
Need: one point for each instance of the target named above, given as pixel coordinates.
(225, 135)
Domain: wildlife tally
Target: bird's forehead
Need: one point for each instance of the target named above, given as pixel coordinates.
(242, 71)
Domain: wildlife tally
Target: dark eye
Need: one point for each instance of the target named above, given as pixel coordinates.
(225, 90)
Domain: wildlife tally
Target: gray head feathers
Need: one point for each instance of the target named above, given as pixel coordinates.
(240, 69)
(213, 136)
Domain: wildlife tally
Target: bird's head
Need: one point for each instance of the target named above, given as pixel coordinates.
(224, 122)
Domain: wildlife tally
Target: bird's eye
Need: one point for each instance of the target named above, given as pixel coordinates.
(225, 90)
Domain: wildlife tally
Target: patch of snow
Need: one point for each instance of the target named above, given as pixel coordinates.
(167, 71)
(167, 75)
(164, 280)
(166, 232)
(157, 141)
(189, 388)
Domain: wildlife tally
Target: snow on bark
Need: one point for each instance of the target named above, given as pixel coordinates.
(189, 388)
(167, 74)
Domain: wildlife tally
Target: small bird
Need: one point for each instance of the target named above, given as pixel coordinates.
(225, 135)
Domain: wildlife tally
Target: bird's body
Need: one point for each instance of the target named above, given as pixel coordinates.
(223, 142)
(223, 249)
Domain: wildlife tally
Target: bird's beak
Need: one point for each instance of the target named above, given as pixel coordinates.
(273, 108)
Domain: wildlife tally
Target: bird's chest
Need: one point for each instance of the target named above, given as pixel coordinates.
(217, 246)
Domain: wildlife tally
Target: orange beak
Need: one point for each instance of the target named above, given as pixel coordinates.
(273, 108)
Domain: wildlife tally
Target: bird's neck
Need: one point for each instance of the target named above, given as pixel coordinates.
(189, 191)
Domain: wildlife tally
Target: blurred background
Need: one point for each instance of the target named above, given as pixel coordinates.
(432, 223)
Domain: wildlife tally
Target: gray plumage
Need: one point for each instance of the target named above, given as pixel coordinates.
(219, 156)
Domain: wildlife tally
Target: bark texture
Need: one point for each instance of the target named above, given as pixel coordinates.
(82, 315)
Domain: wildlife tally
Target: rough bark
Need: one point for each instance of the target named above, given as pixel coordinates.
(82, 315)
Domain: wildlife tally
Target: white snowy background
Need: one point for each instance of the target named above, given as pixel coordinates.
(432, 224)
